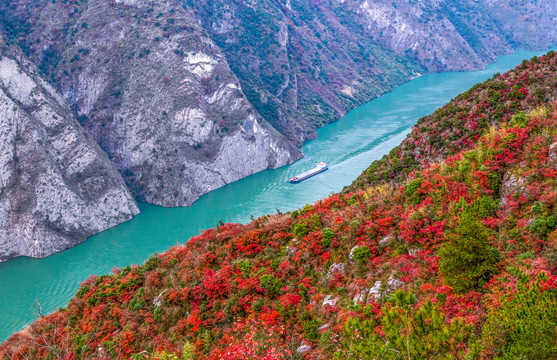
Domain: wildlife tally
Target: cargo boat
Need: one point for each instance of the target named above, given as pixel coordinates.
(306, 175)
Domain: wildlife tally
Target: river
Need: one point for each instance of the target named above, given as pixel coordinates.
(348, 146)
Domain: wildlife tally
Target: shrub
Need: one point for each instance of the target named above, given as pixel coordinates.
(412, 187)
(416, 331)
(270, 284)
(543, 225)
(487, 206)
(300, 230)
(257, 305)
(525, 326)
(327, 235)
(519, 120)
(362, 254)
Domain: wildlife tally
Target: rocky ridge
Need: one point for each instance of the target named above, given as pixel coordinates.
(168, 88)
(158, 96)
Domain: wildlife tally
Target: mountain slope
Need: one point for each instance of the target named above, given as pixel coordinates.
(57, 187)
(453, 258)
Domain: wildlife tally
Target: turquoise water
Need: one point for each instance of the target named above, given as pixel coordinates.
(348, 146)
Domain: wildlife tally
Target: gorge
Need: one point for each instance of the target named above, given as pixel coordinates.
(349, 146)
(443, 248)
(184, 97)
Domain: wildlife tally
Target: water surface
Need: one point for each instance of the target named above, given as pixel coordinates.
(348, 146)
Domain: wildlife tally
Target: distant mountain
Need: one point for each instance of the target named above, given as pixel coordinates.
(186, 96)
(445, 249)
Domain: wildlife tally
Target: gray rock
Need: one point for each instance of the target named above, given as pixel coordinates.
(375, 291)
(394, 284)
(329, 301)
(553, 151)
(304, 348)
(291, 249)
(158, 300)
(510, 184)
(385, 240)
(57, 187)
(335, 268)
(359, 297)
(378, 289)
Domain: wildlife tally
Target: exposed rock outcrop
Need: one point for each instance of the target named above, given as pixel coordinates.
(57, 187)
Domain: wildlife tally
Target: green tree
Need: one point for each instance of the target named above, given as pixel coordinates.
(467, 260)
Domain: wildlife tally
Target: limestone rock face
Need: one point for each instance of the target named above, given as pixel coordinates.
(158, 95)
(57, 187)
(456, 35)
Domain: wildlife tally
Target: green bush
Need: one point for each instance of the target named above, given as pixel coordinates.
(327, 236)
(257, 305)
(487, 206)
(245, 267)
(519, 120)
(362, 254)
(270, 284)
(543, 225)
(137, 303)
(411, 189)
(300, 230)
(310, 329)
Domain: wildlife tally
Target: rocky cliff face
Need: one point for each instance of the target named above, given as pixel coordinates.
(157, 94)
(305, 63)
(446, 35)
(57, 187)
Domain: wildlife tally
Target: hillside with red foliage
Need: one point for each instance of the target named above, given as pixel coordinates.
(445, 249)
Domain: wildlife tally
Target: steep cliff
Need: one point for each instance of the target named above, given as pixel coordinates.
(57, 187)
(156, 93)
(300, 63)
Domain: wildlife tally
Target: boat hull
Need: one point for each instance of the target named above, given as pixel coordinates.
(296, 180)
